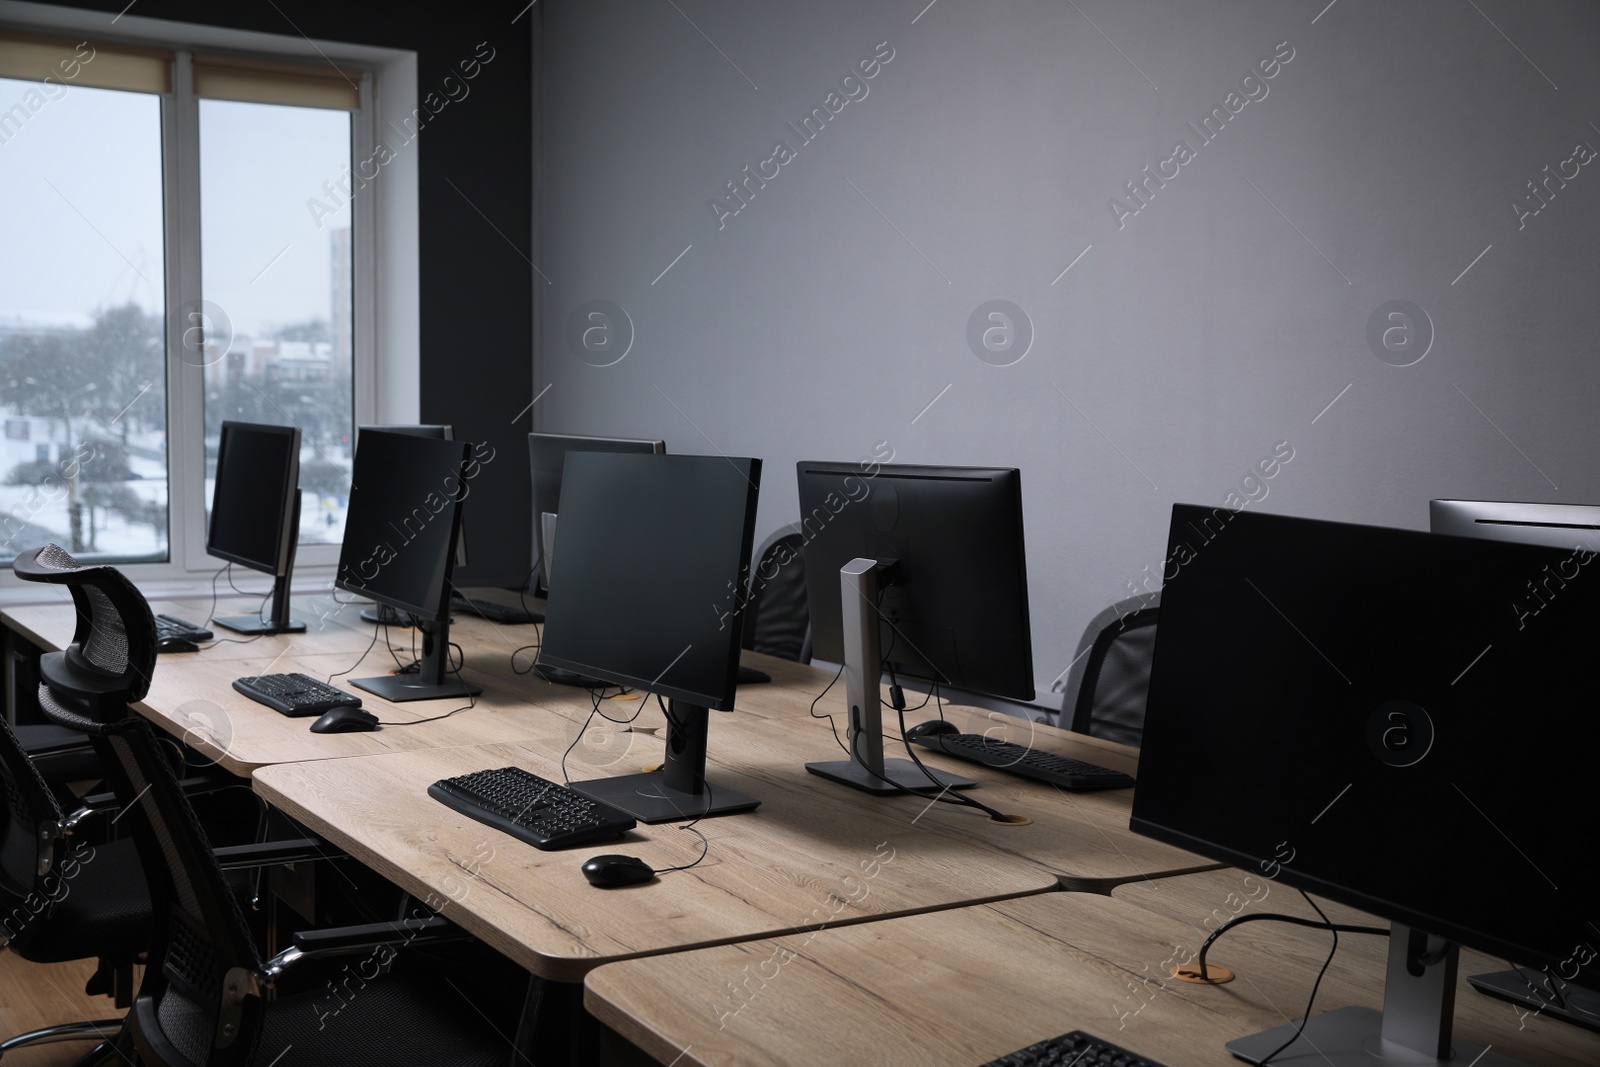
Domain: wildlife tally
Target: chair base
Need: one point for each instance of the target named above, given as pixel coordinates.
(98, 1030)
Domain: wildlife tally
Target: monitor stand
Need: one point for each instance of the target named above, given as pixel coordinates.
(279, 622)
(433, 679)
(863, 673)
(678, 790)
(384, 615)
(1412, 1030)
(562, 676)
(1544, 995)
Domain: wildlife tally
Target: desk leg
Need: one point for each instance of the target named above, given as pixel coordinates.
(556, 1030)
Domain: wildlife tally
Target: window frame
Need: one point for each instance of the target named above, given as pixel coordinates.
(384, 287)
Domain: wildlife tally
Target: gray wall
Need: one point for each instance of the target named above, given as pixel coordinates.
(1180, 349)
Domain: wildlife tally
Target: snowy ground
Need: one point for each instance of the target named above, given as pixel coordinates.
(38, 513)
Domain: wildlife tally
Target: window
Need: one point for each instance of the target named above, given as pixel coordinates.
(82, 302)
(187, 252)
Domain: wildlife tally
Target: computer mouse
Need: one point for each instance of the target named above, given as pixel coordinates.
(612, 871)
(933, 728)
(176, 644)
(345, 720)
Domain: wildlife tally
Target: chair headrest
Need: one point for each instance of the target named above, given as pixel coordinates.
(114, 649)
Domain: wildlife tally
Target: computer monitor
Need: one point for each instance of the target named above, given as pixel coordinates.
(921, 571)
(255, 515)
(1557, 526)
(547, 455)
(383, 613)
(1369, 715)
(399, 544)
(650, 545)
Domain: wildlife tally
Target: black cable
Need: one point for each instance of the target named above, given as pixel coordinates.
(946, 795)
(1301, 1028)
(211, 612)
(825, 715)
(531, 665)
(1200, 960)
(537, 559)
(452, 668)
(357, 663)
(244, 592)
(566, 779)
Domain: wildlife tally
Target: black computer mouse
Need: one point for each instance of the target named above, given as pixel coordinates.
(344, 720)
(612, 871)
(176, 644)
(933, 728)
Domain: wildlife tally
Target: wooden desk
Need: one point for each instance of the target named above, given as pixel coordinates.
(814, 854)
(965, 986)
(192, 697)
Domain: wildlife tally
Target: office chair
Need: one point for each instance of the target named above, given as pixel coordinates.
(202, 1000)
(62, 898)
(1109, 683)
(777, 618)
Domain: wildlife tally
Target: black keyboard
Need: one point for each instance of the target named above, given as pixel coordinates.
(1076, 1049)
(532, 809)
(172, 634)
(294, 695)
(1026, 762)
(488, 609)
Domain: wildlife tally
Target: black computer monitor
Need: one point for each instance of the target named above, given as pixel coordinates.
(650, 545)
(921, 571)
(383, 613)
(1569, 526)
(547, 455)
(399, 546)
(1370, 715)
(255, 515)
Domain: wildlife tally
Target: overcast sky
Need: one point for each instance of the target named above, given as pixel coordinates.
(81, 185)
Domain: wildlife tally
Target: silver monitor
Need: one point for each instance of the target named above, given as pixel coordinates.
(1552, 525)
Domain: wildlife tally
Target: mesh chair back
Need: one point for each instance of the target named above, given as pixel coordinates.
(777, 615)
(27, 838)
(194, 1005)
(115, 640)
(1109, 685)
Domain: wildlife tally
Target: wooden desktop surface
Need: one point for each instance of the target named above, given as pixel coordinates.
(191, 694)
(814, 854)
(965, 986)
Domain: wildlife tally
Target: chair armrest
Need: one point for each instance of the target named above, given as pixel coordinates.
(369, 935)
(194, 785)
(273, 853)
(357, 940)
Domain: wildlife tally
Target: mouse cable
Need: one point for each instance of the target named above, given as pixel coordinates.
(357, 663)
(1324, 924)
(455, 669)
(691, 825)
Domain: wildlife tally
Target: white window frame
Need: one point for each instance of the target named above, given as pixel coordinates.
(384, 261)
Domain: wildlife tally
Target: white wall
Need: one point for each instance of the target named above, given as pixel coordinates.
(1190, 341)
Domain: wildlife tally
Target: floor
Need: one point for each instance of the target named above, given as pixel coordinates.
(34, 995)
